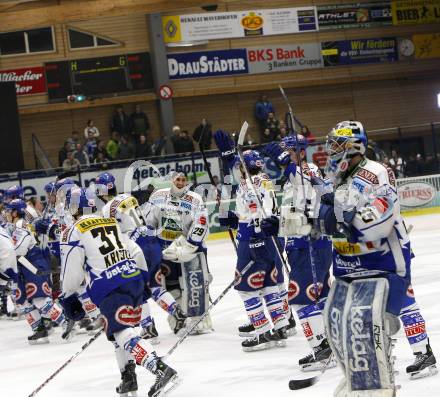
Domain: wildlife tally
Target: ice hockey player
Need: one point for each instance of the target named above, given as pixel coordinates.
(308, 286)
(258, 288)
(179, 218)
(34, 290)
(94, 250)
(8, 268)
(125, 209)
(371, 263)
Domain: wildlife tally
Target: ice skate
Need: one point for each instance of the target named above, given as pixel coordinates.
(166, 380)
(246, 330)
(260, 342)
(128, 386)
(40, 335)
(423, 366)
(68, 329)
(180, 318)
(317, 360)
(150, 333)
(291, 328)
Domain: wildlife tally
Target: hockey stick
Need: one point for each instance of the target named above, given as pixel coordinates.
(85, 346)
(297, 384)
(241, 137)
(298, 151)
(211, 179)
(217, 300)
(28, 265)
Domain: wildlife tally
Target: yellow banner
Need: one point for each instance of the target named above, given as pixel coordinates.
(412, 12)
(426, 45)
(171, 29)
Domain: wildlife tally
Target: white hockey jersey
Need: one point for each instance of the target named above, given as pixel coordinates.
(123, 208)
(173, 216)
(379, 242)
(247, 206)
(94, 249)
(8, 259)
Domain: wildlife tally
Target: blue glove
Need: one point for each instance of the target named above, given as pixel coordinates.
(270, 226)
(228, 219)
(290, 170)
(277, 155)
(226, 145)
(72, 307)
(327, 223)
(259, 252)
(41, 226)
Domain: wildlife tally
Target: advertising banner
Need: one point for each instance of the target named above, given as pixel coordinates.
(228, 25)
(359, 15)
(284, 58)
(413, 12)
(27, 81)
(189, 65)
(426, 45)
(363, 51)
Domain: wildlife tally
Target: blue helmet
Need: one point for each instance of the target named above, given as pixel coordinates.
(346, 139)
(63, 182)
(18, 205)
(293, 142)
(106, 179)
(49, 187)
(77, 197)
(253, 160)
(14, 192)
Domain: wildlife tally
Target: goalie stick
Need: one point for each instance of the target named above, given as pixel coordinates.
(241, 137)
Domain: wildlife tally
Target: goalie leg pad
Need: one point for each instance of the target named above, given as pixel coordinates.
(194, 283)
(366, 351)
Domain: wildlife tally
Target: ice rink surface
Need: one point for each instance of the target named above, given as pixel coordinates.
(214, 364)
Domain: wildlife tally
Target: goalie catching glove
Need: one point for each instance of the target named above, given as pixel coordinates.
(180, 250)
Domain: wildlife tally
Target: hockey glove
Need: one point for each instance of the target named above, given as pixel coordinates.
(180, 250)
(72, 307)
(228, 219)
(226, 146)
(323, 190)
(270, 226)
(42, 226)
(276, 154)
(290, 171)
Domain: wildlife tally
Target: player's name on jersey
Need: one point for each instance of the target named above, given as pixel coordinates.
(91, 223)
(116, 257)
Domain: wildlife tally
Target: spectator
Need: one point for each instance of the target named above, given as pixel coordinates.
(73, 140)
(307, 133)
(139, 123)
(268, 136)
(282, 134)
(91, 131)
(142, 149)
(113, 146)
(81, 155)
(430, 165)
(420, 164)
(412, 168)
(71, 163)
(120, 122)
(126, 149)
(397, 164)
(274, 127)
(182, 142)
(62, 154)
(203, 134)
(101, 161)
(100, 148)
(262, 109)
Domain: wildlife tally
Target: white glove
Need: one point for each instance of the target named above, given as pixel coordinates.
(293, 223)
(185, 251)
(180, 250)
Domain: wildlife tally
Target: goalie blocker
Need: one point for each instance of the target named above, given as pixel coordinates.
(359, 332)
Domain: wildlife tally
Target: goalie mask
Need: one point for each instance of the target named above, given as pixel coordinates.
(179, 184)
(345, 140)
